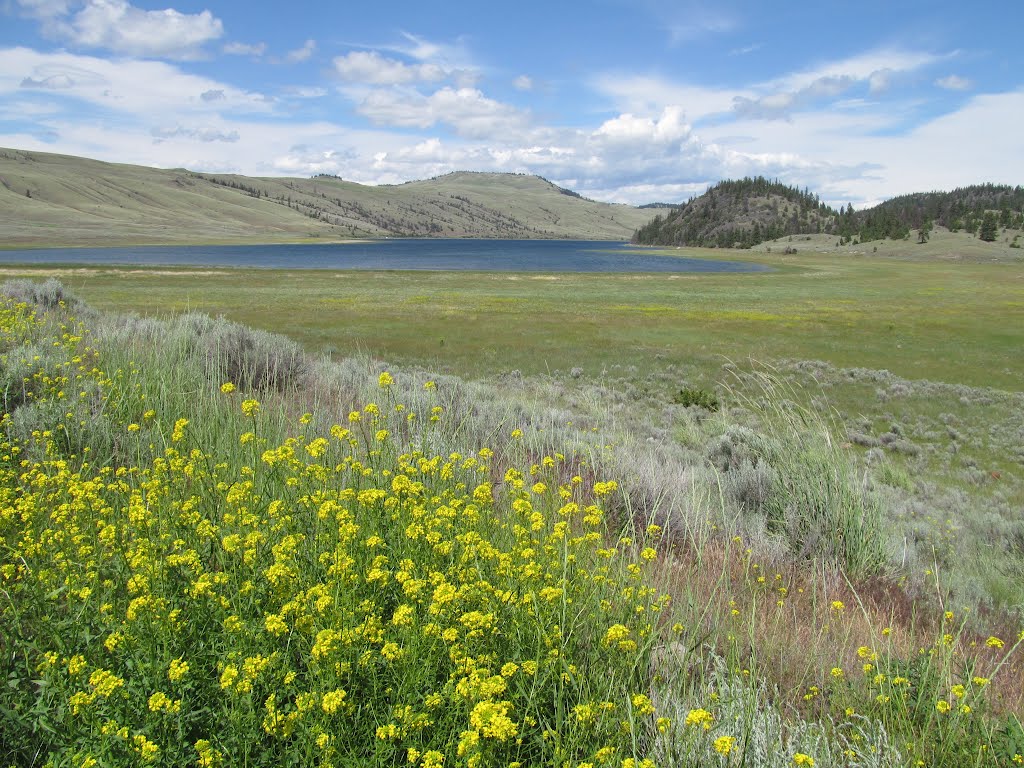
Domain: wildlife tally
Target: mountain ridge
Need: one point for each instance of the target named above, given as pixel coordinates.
(51, 199)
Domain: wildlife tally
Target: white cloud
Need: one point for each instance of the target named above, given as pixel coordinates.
(953, 83)
(860, 67)
(139, 87)
(644, 94)
(466, 110)
(699, 23)
(44, 9)
(781, 104)
(880, 80)
(55, 82)
(199, 134)
(303, 53)
(370, 68)
(118, 26)
(523, 83)
(743, 51)
(422, 49)
(305, 91)
(781, 97)
(245, 49)
(670, 127)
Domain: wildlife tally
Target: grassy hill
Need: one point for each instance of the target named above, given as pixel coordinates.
(48, 199)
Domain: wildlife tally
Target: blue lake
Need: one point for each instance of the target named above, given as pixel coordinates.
(392, 254)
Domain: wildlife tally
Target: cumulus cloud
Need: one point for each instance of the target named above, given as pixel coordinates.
(123, 28)
(370, 68)
(307, 49)
(953, 83)
(669, 127)
(118, 26)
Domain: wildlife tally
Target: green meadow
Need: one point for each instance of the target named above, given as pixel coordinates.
(947, 321)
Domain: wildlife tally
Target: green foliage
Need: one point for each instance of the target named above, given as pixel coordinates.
(963, 208)
(1008, 742)
(701, 398)
(989, 227)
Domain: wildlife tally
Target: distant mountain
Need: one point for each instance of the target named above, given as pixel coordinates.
(48, 199)
(744, 213)
(740, 214)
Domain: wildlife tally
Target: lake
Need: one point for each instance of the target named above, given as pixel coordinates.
(392, 254)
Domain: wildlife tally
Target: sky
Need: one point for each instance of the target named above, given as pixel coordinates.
(630, 101)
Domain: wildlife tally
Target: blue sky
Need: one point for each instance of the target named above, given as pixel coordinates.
(622, 101)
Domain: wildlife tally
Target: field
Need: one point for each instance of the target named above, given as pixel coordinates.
(823, 566)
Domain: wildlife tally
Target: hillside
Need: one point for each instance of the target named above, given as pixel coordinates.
(739, 214)
(749, 212)
(965, 208)
(48, 199)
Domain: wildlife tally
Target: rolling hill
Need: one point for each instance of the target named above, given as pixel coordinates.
(49, 199)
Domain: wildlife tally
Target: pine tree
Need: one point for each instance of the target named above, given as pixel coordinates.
(989, 227)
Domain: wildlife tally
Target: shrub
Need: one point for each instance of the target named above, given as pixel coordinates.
(49, 294)
(690, 396)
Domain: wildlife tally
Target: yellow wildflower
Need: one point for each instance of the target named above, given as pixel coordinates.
(178, 670)
(724, 744)
(700, 717)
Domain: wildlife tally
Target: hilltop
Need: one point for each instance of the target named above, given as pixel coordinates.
(740, 214)
(49, 199)
(748, 212)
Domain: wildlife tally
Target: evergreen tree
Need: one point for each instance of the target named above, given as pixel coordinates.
(989, 226)
(924, 232)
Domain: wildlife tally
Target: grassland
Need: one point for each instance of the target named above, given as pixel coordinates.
(952, 322)
(59, 200)
(431, 571)
(917, 353)
(836, 562)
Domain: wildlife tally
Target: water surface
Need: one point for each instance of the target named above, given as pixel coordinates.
(392, 254)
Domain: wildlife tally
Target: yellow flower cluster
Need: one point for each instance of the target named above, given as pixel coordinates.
(344, 589)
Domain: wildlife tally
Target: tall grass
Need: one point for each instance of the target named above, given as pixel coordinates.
(218, 552)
